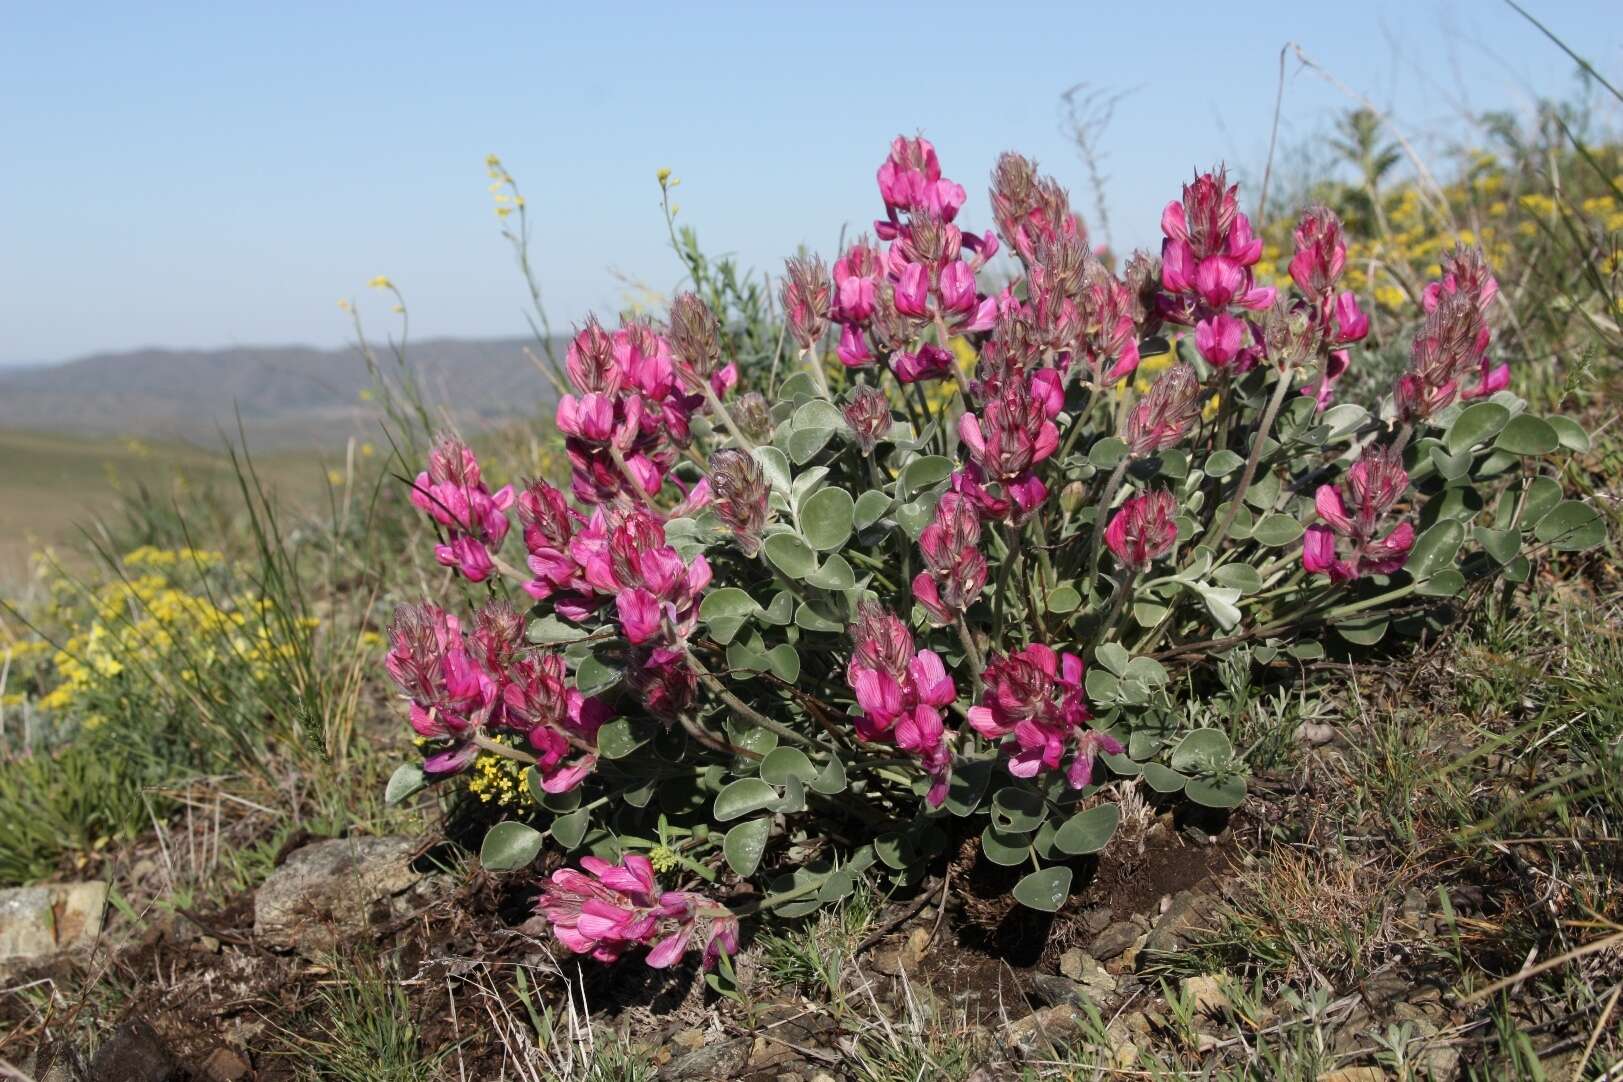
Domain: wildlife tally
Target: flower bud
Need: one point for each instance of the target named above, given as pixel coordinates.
(741, 492)
(868, 416)
(1160, 418)
(1144, 529)
(695, 339)
(751, 415)
(806, 299)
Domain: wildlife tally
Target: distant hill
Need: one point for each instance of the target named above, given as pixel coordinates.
(288, 395)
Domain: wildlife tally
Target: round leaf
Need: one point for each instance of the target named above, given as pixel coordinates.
(726, 601)
(1044, 890)
(790, 555)
(921, 473)
(835, 574)
(1216, 792)
(826, 518)
(784, 661)
(618, 739)
(1477, 423)
(1528, 435)
(784, 763)
(569, 830)
(1222, 463)
(745, 843)
(1276, 530)
(1202, 751)
(1017, 809)
(406, 780)
(1088, 831)
(1570, 433)
(1064, 599)
(870, 508)
(742, 797)
(1572, 526)
(1008, 850)
(509, 845)
(1435, 549)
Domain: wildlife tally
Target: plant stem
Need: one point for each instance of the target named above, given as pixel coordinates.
(1099, 516)
(720, 410)
(1268, 414)
(741, 708)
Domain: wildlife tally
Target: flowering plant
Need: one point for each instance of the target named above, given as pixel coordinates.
(933, 583)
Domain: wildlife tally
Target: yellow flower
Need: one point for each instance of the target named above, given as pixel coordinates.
(663, 174)
(381, 282)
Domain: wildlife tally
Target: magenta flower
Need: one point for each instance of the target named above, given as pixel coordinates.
(1321, 255)
(1348, 544)
(1222, 340)
(451, 696)
(901, 692)
(910, 180)
(956, 572)
(857, 275)
(1034, 705)
(1144, 529)
(1010, 435)
(609, 909)
(452, 493)
(929, 361)
(1208, 253)
(560, 722)
(656, 593)
(1449, 357)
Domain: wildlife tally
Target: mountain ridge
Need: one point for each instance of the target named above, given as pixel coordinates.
(286, 394)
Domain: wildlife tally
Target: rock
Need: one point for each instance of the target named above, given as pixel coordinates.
(723, 1059)
(1052, 991)
(1114, 940)
(1073, 964)
(1182, 916)
(917, 943)
(689, 1040)
(1208, 993)
(1045, 1028)
(1096, 920)
(134, 1053)
(1315, 734)
(330, 889)
(224, 1065)
(1384, 988)
(1354, 1074)
(39, 922)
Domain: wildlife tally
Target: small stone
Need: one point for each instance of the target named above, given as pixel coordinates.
(1114, 940)
(1096, 920)
(224, 1065)
(328, 889)
(134, 1053)
(1414, 905)
(689, 1040)
(1045, 1028)
(719, 1059)
(1208, 993)
(59, 1062)
(1315, 734)
(207, 944)
(1073, 964)
(1183, 915)
(1384, 987)
(1354, 1074)
(38, 922)
(1054, 991)
(917, 943)
(821, 1076)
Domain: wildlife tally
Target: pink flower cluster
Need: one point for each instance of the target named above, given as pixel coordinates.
(463, 685)
(1144, 529)
(1347, 545)
(1206, 269)
(902, 692)
(631, 415)
(1321, 255)
(620, 556)
(453, 494)
(1076, 314)
(1034, 704)
(1006, 439)
(884, 301)
(1452, 344)
(956, 572)
(609, 909)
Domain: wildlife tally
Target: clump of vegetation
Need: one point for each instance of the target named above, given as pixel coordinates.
(774, 648)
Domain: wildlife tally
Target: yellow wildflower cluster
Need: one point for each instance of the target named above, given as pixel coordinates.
(161, 623)
(498, 780)
(503, 188)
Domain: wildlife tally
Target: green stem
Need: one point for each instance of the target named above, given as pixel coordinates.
(1281, 388)
(741, 708)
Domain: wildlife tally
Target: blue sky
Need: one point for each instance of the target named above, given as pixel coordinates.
(217, 174)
